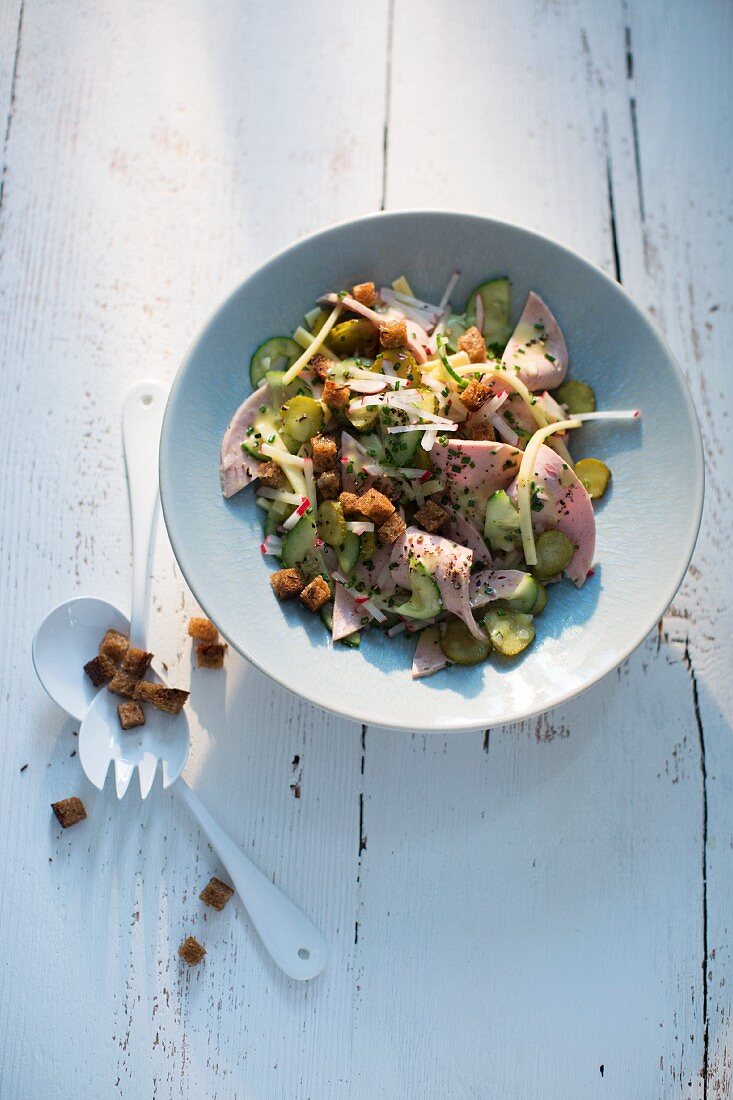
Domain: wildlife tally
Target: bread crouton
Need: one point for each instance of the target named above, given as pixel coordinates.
(393, 334)
(100, 669)
(202, 629)
(375, 506)
(123, 683)
(350, 505)
(365, 293)
(431, 517)
(287, 583)
(475, 394)
(69, 811)
(319, 364)
(390, 531)
(114, 645)
(336, 397)
(315, 594)
(136, 661)
(191, 951)
(130, 715)
(481, 430)
(216, 893)
(210, 654)
(472, 342)
(271, 475)
(169, 700)
(324, 452)
(328, 485)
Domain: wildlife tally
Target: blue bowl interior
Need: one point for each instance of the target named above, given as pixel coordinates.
(646, 525)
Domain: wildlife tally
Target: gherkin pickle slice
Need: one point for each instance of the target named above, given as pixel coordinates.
(578, 397)
(460, 646)
(510, 631)
(554, 553)
(594, 475)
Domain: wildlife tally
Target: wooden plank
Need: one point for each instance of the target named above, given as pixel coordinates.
(152, 161)
(677, 263)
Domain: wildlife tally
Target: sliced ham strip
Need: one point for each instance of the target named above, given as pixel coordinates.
(474, 470)
(566, 507)
(448, 564)
(494, 584)
(238, 468)
(537, 347)
(348, 615)
(464, 533)
(428, 657)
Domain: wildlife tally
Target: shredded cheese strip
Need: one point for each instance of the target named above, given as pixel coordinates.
(401, 286)
(621, 414)
(314, 346)
(279, 494)
(460, 359)
(310, 483)
(304, 338)
(524, 484)
(291, 466)
(538, 413)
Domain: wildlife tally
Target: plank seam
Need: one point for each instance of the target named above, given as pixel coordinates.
(687, 658)
(387, 105)
(11, 103)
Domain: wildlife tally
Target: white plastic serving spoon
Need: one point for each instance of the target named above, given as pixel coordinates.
(64, 642)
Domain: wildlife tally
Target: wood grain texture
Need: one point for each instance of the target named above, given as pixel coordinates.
(539, 912)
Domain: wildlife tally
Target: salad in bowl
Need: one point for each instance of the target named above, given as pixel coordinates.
(413, 466)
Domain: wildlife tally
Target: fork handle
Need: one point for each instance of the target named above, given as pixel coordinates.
(292, 940)
(142, 416)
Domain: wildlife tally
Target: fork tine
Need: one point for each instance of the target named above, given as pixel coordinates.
(146, 773)
(123, 775)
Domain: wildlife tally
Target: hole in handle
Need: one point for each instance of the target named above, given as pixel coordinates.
(304, 953)
(147, 399)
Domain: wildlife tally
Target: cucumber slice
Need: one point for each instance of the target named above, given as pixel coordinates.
(594, 475)
(264, 429)
(302, 417)
(510, 631)
(331, 523)
(425, 601)
(353, 641)
(280, 393)
(348, 552)
(363, 420)
(456, 326)
(496, 295)
(501, 526)
(554, 553)
(299, 540)
(523, 598)
(352, 337)
(400, 448)
(460, 646)
(578, 397)
(541, 601)
(275, 516)
(373, 446)
(278, 351)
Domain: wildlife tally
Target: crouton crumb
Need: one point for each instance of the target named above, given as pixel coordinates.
(365, 293)
(123, 683)
(475, 394)
(202, 629)
(472, 342)
(320, 364)
(376, 506)
(136, 661)
(287, 583)
(324, 452)
(393, 334)
(431, 517)
(390, 531)
(130, 715)
(210, 654)
(100, 669)
(315, 594)
(216, 893)
(168, 700)
(114, 645)
(191, 951)
(271, 475)
(481, 430)
(69, 811)
(336, 397)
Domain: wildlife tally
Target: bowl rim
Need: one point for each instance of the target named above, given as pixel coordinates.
(698, 474)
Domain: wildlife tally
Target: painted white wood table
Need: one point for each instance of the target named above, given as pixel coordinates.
(541, 911)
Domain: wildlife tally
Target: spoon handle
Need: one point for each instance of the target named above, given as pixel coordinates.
(292, 940)
(142, 416)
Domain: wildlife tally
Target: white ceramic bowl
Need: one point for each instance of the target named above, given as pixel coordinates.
(646, 525)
